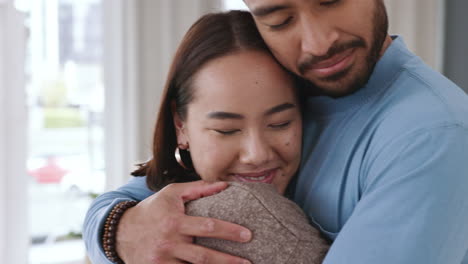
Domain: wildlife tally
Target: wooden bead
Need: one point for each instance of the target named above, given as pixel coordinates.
(110, 230)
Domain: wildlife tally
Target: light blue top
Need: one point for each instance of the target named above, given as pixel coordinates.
(135, 190)
(384, 171)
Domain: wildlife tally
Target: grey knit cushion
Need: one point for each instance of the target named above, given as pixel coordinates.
(281, 231)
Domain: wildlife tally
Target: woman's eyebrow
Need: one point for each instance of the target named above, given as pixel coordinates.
(279, 108)
(224, 115)
(228, 115)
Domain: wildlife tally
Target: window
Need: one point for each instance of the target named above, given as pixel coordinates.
(65, 94)
(74, 64)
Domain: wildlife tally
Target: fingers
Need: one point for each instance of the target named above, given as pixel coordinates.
(193, 190)
(200, 226)
(200, 255)
(176, 230)
(209, 227)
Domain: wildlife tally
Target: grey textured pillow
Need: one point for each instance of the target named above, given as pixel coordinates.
(281, 231)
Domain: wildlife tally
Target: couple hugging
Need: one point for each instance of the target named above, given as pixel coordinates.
(308, 99)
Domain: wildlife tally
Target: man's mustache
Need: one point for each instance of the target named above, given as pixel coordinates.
(311, 60)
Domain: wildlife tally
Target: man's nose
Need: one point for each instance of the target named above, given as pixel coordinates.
(317, 36)
(256, 150)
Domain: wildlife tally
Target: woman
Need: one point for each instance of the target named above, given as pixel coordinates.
(231, 105)
(229, 112)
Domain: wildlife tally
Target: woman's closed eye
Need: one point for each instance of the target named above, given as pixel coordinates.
(226, 132)
(329, 3)
(276, 126)
(280, 125)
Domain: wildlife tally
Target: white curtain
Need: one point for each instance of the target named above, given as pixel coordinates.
(421, 23)
(13, 181)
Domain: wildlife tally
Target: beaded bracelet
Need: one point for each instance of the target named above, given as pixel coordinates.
(110, 230)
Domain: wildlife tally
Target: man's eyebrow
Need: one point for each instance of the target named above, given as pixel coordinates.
(225, 115)
(280, 108)
(267, 10)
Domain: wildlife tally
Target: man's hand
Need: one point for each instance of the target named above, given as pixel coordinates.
(157, 230)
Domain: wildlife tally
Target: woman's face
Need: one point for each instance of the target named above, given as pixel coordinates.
(244, 123)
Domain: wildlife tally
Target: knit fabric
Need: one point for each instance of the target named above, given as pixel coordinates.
(281, 231)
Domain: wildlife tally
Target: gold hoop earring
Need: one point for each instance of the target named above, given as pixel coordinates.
(179, 158)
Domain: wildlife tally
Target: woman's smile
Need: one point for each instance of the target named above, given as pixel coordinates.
(265, 176)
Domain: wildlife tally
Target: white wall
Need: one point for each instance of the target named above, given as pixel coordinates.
(13, 180)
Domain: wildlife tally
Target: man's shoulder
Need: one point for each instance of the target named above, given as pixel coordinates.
(415, 92)
(418, 101)
(422, 98)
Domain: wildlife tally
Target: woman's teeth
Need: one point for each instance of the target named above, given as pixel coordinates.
(261, 178)
(265, 176)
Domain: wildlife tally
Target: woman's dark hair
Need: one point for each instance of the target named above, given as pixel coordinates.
(212, 36)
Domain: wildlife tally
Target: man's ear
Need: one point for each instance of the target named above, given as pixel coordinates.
(179, 126)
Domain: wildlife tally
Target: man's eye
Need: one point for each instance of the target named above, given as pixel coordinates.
(284, 23)
(329, 3)
(226, 132)
(281, 125)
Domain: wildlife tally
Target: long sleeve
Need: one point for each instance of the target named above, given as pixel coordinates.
(135, 190)
(414, 204)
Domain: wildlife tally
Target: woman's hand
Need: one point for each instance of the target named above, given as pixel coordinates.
(157, 230)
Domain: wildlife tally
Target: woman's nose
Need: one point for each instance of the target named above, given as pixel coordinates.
(256, 150)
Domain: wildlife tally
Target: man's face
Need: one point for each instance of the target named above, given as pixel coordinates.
(334, 44)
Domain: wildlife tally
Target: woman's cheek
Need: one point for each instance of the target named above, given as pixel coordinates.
(212, 160)
(293, 143)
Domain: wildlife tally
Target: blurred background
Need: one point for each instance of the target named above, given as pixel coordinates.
(79, 90)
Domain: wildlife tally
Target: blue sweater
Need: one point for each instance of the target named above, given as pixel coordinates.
(384, 171)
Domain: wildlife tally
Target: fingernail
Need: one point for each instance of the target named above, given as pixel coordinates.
(246, 262)
(245, 235)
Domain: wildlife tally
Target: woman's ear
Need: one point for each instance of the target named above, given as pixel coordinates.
(179, 125)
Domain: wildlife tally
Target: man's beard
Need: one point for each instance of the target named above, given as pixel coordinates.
(380, 30)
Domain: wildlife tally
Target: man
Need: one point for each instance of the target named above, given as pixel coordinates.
(385, 167)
